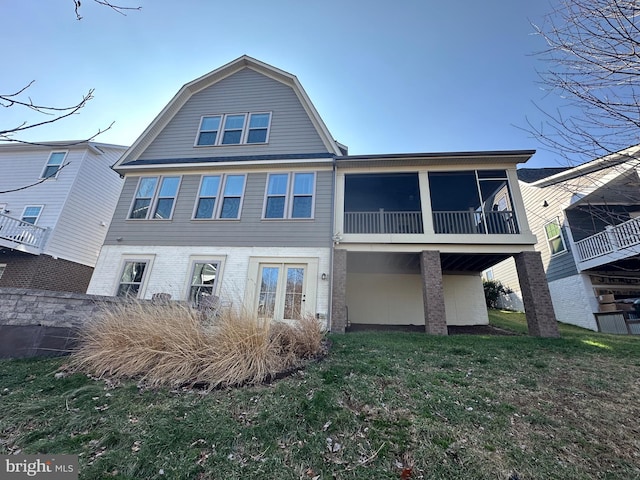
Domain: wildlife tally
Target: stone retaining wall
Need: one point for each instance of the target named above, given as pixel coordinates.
(23, 306)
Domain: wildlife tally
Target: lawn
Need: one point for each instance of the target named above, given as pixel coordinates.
(392, 405)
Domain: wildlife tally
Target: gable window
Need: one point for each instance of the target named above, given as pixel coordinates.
(54, 164)
(155, 198)
(220, 196)
(31, 213)
(203, 281)
(131, 279)
(553, 232)
(233, 129)
(209, 127)
(289, 199)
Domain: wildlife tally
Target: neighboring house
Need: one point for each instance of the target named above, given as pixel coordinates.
(237, 193)
(56, 201)
(587, 221)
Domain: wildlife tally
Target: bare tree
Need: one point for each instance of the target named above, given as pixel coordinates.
(116, 7)
(593, 58)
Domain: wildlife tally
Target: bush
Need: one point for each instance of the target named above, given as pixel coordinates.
(170, 345)
(492, 291)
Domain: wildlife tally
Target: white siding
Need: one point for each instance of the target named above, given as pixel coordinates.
(83, 223)
(22, 168)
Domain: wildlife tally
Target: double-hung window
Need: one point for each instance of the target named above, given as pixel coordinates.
(155, 198)
(220, 197)
(290, 195)
(31, 213)
(553, 232)
(233, 129)
(203, 281)
(54, 164)
(131, 278)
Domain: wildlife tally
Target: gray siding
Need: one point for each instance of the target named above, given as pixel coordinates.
(249, 231)
(557, 197)
(245, 91)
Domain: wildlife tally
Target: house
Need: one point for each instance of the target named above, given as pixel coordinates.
(56, 201)
(587, 223)
(237, 193)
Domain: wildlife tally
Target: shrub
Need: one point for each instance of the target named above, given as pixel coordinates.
(170, 345)
(492, 291)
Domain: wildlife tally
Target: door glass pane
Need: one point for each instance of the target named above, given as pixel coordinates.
(268, 288)
(293, 294)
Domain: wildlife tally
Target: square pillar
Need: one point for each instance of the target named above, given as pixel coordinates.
(435, 321)
(541, 318)
(339, 292)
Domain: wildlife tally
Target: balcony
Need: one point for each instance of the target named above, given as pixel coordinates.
(615, 243)
(19, 235)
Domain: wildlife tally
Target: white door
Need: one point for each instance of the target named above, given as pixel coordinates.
(283, 289)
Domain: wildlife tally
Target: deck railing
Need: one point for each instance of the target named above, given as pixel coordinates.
(614, 238)
(471, 221)
(23, 233)
(383, 222)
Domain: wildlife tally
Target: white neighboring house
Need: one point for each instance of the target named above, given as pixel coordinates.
(587, 221)
(55, 207)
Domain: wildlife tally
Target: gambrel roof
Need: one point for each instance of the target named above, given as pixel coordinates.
(211, 78)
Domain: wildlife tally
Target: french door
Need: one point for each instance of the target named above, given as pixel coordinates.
(282, 293)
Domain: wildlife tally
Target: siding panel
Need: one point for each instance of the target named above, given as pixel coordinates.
(245, 91)
(249, 231)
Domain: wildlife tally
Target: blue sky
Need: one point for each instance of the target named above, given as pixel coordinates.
(386, 77)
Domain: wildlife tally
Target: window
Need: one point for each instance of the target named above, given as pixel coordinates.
(203, 281)
(54, 164)
(233, 129)
(230, 204)
(153, 202)
(31, 213)
(3, 266)
(285, 199)
(131, 279)
(553, 232)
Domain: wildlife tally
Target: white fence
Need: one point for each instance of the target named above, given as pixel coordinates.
(21, 232)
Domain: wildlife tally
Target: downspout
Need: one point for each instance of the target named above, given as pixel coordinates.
(331, 233)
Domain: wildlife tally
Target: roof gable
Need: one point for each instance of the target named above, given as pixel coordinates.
(215, 77)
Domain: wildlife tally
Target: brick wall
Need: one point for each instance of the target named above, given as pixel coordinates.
(43, 272)
(433, 293)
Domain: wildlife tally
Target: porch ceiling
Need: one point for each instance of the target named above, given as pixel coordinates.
(389, 262)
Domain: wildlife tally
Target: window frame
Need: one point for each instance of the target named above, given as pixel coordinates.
(290, 196)
(555, 221)
(155, 198)
(219, 197)
(59, 167)
(148, 261)
(35, 222)
(195, 260)
(244, 132)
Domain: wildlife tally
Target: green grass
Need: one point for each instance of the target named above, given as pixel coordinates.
(460, 407)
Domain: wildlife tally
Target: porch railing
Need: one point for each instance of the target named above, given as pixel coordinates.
(383, 222)
(471, 221)
(614, 238)
(20, 232)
